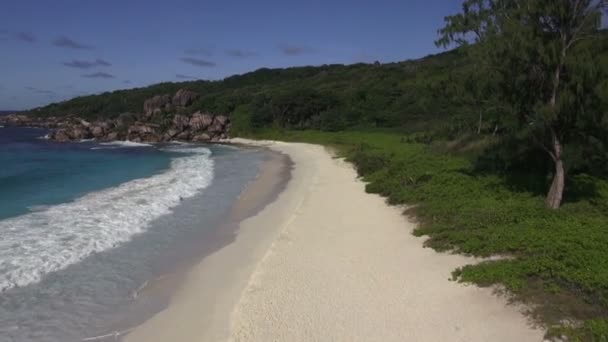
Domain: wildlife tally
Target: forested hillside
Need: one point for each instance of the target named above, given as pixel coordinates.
(329, 97)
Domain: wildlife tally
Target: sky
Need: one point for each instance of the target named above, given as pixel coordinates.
(52, 50)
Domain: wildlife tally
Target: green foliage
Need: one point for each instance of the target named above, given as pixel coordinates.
(329, 97)
(595, 330)
(241, 120)
(331, 120)
(544, 68)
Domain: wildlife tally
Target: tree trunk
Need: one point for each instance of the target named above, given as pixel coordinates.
(480, 122)
(556, 192)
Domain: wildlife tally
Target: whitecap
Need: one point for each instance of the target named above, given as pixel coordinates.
(40, 207)
(105, 148)
(177, 142)
(125, 143)
(49, 240)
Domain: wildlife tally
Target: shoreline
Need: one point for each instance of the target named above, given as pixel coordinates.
(327, 261)
(110, 292)
(273, 176)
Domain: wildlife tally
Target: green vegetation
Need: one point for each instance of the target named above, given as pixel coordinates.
(545, 72)
(472, 138)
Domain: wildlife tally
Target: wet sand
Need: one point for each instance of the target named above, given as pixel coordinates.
(206, 294)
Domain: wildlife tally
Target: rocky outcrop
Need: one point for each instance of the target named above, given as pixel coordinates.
(125, 119)
(30, 121)
(97, 132)
(184, 98)
(145, 127)
(200, 127)
(60, 135)
(200, 121)
(157, 104)
(76, 132)
(181, 122)
(144, 132)
(203, 137)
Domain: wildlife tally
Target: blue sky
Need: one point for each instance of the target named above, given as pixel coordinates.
(55, 50)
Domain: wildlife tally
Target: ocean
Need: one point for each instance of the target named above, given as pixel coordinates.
(85, 226)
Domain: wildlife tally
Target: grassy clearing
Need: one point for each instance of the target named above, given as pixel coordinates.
(558, 259)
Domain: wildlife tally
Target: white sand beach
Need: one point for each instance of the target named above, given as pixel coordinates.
(328, 262)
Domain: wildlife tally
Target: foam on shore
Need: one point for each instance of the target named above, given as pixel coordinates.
(51, 238)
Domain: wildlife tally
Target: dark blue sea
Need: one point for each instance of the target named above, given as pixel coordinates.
(84, 225)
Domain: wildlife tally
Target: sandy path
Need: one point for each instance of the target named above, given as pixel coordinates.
(345, 267)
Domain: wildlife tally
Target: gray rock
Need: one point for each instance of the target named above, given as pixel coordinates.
(201, 137)
(60, 135)
(171, 133)
(156, 103)
(199, 121)
(141, 129)
(97, 131)
(184, 136)
(184, 98)
(215, 128)
(112, 136)
(222, 119)
(125, 119)
(181, 122)
(141, 132)
(79, 133)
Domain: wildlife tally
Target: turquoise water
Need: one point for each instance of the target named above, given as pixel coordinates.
(84, 225)
(35, 172)
(63, 202)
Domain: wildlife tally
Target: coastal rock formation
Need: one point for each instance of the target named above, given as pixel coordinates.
(76, 132)
(21, 120)
(60, 135)
(155, 124)
(125, 119)
(201, 137)
(156, 104)
(181, 122)
(184, 98)
(159, 103)
(112, 136)
(97, 131)
(200, 121)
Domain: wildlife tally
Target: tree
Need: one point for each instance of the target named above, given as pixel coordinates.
(534, 46)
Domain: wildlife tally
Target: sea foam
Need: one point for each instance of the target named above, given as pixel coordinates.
(125, 143)
(49, 240)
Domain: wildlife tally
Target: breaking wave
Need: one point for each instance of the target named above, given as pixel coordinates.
(50, 239)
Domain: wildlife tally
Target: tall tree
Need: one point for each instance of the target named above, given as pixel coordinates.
(535, 48)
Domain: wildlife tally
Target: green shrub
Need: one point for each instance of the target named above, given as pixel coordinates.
(241, 121)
